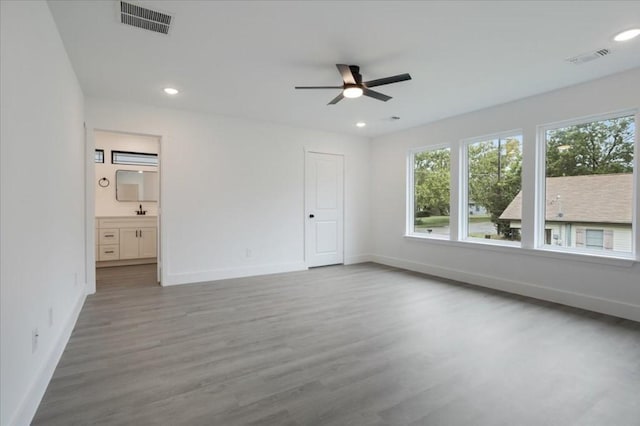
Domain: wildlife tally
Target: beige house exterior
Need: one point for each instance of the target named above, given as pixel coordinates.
(591, 212)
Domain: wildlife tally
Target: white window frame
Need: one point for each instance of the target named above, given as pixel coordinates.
(540, 186)
(463, 225)
(410, 212)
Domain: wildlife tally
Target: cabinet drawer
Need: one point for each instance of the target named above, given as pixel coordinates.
(109, 236)
(109, 252)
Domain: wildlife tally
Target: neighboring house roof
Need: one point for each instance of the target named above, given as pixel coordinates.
(591, 198)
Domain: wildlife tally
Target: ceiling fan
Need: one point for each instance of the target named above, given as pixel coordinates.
(354, 87)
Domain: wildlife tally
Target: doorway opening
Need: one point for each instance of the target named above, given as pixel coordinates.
(127, 197)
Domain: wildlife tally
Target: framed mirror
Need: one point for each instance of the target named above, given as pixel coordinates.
(136, 185)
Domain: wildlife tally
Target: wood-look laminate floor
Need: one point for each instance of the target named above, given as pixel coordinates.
(344, 345)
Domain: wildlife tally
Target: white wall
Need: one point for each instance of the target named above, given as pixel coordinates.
(604, 287)
(42, 203)
(228, 185)
(105, 197)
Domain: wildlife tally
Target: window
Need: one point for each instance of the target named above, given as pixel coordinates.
(547, 236)
(493, 188)
(589, 185)
(99, 156)
(430, 193)
(134, 158)
(595, 238)
(584, 197)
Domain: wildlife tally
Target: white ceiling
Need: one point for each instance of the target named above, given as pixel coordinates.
(244, 58)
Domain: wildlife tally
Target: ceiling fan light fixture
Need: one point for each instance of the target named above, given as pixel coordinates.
(352, 92)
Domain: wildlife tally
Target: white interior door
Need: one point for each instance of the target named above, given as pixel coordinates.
(324, 209)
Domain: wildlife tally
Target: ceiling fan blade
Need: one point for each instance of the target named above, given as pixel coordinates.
(336, 99)
(318, 87)
(347, 75)
(387, 80)
(374, 94)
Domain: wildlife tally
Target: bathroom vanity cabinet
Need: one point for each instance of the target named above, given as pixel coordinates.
(126, 240)
(137, 242)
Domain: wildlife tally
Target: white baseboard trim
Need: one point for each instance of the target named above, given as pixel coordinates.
(362, 258)
(591, 303)
(31, 401)
(223, 274)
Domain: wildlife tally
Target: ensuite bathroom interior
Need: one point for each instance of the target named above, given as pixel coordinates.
(127, 188)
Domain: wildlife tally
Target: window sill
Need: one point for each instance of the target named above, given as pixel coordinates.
(616, 260)
(621, 261)
(426, 236)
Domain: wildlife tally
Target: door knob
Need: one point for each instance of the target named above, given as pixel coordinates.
(312, 216)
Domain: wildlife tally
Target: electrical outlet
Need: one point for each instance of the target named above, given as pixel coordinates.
(75, 279)
(34, 340)
(248, 253)
(50, 317)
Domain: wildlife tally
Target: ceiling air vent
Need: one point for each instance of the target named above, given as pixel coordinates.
(588, 57)
(147, 19)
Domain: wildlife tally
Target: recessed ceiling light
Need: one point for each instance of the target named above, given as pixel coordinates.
(627, 35)
(361, 124)
(170, 91)
(352, 92)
